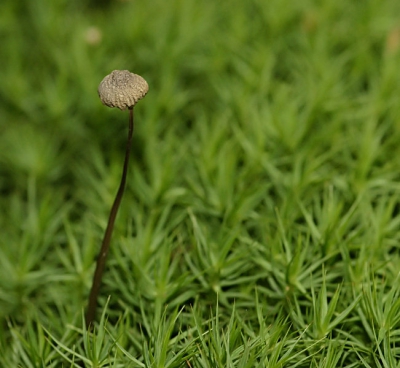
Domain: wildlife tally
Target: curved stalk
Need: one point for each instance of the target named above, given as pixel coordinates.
(105, 246)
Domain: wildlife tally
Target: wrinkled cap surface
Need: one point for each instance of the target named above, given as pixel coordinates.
(122, 89)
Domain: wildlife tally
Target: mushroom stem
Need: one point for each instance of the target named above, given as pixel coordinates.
(105, 246)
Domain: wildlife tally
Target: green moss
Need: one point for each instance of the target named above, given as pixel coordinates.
(260, 226)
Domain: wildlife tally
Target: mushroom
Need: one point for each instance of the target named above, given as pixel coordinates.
(121, 89)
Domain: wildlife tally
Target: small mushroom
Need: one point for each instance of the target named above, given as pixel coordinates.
(122, 89)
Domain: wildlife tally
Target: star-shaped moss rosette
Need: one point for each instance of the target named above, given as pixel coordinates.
(121, 89)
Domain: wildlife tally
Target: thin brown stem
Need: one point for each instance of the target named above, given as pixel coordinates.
(105, 246)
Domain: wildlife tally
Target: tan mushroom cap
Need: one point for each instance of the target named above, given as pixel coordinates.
(122, 89)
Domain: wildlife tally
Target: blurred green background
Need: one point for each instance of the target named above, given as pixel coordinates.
(264, 174)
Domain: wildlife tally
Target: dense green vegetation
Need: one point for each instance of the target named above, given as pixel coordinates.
(261, 222)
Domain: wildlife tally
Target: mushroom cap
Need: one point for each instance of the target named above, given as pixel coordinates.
(122, 89)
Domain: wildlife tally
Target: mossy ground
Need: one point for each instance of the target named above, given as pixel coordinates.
(260, 225)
